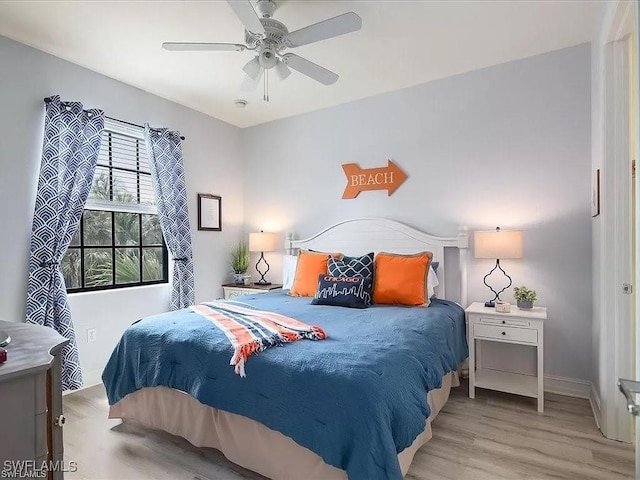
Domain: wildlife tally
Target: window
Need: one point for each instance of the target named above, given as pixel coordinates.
(119, 242)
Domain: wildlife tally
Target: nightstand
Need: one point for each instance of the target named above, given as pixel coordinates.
(521, 327)
(231, 290)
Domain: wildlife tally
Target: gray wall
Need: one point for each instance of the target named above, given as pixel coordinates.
(212, 165)
(508, 145)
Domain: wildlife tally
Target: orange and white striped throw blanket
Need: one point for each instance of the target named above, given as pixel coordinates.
(251, 331)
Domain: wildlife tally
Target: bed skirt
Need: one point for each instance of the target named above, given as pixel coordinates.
(246, 442)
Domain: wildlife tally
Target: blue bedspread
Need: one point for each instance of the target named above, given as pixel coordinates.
(356, 399)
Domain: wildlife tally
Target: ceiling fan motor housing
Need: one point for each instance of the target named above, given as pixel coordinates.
(275, 34)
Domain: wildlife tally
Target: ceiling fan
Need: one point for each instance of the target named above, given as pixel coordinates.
(268, 38)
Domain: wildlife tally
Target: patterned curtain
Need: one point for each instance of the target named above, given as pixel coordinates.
(167, 171)
(69, 155)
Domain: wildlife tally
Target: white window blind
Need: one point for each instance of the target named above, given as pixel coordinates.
(122, 180)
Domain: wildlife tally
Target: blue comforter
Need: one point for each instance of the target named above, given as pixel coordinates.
(356, 399)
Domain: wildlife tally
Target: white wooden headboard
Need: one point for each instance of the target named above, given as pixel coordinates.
(361, 235)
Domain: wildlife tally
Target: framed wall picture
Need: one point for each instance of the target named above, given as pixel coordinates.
(595, 194)
(209, 212)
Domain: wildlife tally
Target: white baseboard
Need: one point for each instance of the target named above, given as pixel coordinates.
(594, 400)
(90, 379)
(570, 387)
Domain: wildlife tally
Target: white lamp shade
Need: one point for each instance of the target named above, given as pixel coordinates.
(497, 244)
(263, 242)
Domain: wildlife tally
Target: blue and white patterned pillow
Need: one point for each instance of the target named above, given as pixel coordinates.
(352, 292)
(352, 266)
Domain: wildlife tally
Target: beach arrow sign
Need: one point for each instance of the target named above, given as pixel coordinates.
(387, 178)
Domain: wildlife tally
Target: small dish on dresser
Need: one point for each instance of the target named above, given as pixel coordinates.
(5, 339)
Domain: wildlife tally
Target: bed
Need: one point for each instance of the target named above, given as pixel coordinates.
(358, 404)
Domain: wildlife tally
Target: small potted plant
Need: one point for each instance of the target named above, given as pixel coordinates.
(525, 297)
(240, 263)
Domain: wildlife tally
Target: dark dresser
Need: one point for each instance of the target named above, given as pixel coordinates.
(31, 400)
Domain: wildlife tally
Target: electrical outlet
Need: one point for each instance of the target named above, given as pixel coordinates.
(91, 335)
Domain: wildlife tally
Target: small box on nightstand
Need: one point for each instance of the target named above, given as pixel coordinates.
(503, 307)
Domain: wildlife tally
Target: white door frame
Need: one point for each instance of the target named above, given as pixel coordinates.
(617, 356)
(636, 93)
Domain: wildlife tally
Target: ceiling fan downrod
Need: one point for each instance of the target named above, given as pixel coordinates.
(266, 8)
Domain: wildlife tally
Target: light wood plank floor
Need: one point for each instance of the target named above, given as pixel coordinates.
(496, 436)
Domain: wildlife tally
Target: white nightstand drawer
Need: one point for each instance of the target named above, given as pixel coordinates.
(525, 335)
(514, 322)
(231, 290)
(233, 293)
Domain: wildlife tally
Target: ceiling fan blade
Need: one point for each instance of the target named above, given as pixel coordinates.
(250, 84)
(310, 69)
(282, 70)
(332, 27)
(203, 47)
(247, 15)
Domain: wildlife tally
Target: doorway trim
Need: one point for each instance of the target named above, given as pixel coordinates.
(617, 358)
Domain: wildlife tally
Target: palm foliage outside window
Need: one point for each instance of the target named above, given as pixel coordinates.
(119, 242)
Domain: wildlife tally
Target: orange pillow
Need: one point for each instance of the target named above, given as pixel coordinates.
(401, 279)
(310, 266)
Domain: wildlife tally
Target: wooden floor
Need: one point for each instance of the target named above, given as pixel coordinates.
(496, 436)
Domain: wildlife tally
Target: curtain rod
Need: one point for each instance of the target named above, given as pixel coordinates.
(48, 100)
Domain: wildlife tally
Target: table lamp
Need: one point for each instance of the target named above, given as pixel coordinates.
(263, 242)
(498, 244)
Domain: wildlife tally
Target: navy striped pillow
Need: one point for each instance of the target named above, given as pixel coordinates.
(351, 266)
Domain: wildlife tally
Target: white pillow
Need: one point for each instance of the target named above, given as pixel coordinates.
(289, 264)
(432, 282)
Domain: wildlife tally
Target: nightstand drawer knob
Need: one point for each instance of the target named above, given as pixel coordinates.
(504, 333)
(503, 322)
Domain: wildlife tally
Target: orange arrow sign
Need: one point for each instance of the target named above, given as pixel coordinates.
(382, 178)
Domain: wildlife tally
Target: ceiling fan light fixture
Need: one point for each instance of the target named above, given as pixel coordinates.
(253, 68)
(282, 70)
(268, 58)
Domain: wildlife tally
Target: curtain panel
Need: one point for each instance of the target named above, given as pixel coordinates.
(167, 170)
(69, 155)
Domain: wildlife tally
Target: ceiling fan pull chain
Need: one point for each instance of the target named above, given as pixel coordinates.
(265, 91)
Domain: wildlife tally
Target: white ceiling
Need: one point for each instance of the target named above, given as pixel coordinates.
(402, 43)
